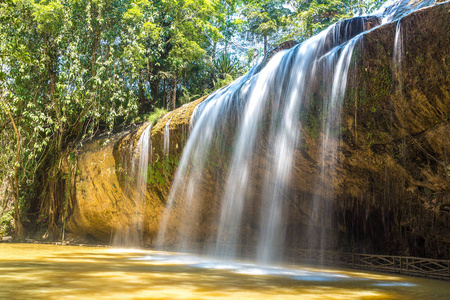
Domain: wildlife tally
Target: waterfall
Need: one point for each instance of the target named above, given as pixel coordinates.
(233, 186)
(398, 46)
(398, 9)
(397, 57)
(132, 234)
(321, 208)
(261, 114)
(167, 137)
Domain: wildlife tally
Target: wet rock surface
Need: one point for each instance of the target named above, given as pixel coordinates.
(389, 194)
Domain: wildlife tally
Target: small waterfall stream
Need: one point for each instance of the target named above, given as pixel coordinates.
(132, 235)
(335, 93)
(245, 138)
(167, 138)
(398, 46)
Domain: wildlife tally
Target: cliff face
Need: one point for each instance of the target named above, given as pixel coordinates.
(396, 179)
(390, 192)
(104, 207)
(106, 202)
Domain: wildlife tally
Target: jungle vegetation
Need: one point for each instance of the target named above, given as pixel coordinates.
(72, 68)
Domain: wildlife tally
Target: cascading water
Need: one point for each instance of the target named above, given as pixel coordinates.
(132, 235)
(167, 138)
(260, 101)
(330, 140)
(234, 181)
(398, 46)
(397, 54)
(398, 9)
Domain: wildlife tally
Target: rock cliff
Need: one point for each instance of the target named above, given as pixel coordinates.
(391, 190)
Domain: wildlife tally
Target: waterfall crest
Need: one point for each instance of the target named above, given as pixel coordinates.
(246, 139)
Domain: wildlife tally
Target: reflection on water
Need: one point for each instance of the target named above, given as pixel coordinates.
(30, 271)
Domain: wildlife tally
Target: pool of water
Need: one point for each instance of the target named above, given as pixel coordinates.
(32, 271)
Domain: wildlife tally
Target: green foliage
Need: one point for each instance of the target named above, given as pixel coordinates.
(224, 82)
(225, 65)
(160, 171)
(6, 219)
(187, 96)
(49, 16)
(266, 17)
(72, 68)
(313, 126)
(381, 82)
(310, 17)
(156, 115)
(41, 219)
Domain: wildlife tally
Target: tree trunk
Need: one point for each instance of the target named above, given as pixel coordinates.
(51, 72)
(142, 100)
(164, 93)
(213, 54)
(15, 182)
(54, 172)
(52, 229)
(154, 91)
(265, 44)
(18, 222)
(174, 95)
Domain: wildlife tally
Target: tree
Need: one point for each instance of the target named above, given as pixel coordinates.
(310, 17)
(70, 85)
(14, 49)
(265, 18)
(173, 35)
(15, 181)
(72, 67)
